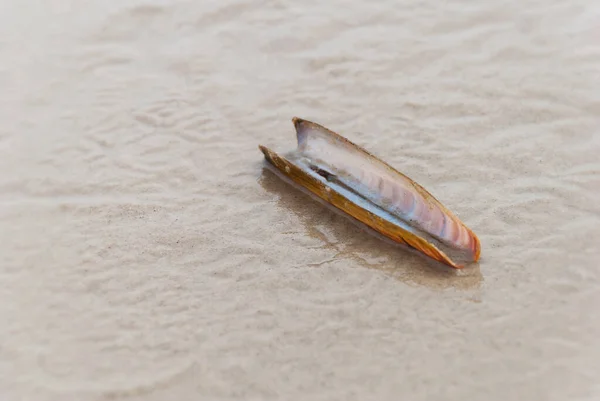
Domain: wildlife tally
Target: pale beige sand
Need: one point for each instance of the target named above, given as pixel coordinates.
(145, 255)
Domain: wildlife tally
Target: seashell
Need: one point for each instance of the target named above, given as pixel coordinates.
(362, 186)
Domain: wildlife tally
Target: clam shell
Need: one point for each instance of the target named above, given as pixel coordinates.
(371, 191)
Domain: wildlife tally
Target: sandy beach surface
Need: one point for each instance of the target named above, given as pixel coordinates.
(146, 253)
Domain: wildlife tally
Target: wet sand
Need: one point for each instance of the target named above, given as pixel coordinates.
(147, 254)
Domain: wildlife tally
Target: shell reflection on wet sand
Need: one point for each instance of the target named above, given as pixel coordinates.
(362, 186)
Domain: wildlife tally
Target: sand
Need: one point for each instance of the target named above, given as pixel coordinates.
(146, 254)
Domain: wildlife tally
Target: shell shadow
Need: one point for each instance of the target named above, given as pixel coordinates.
(351, 240)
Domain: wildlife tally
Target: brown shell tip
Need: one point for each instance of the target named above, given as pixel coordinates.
(300, 125)
(266, 152)
(476, 248)
(453, 264)
(298, 120)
